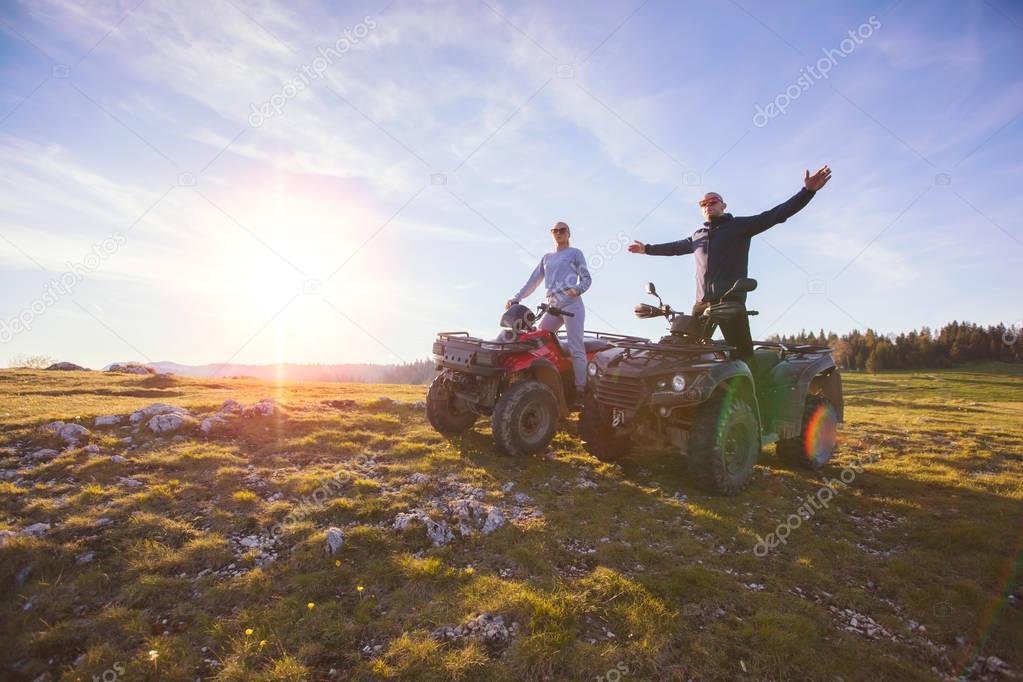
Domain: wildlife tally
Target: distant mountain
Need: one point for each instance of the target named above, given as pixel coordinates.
(419, 372)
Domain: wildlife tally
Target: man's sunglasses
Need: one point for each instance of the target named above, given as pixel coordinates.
(709, 202)
(559, 230)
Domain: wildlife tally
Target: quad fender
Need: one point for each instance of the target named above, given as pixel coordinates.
(737, 375)
(829, 384)
(544, 370)
(815, 375)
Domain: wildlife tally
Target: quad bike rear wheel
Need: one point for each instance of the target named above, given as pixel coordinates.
(817, 437)
(598, 436)
(525, 418)
(446, 412)
(724, 443)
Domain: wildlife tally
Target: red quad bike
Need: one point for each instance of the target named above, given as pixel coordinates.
(523, 380)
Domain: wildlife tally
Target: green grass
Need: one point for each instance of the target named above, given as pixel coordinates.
(643, 573)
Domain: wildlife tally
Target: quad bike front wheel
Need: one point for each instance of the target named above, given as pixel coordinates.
(817, 438)
(525, 418)
(599, 437)
(447, 413)
(724, 443)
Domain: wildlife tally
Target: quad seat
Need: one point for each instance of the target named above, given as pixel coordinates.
(766, 359)
(595, 345)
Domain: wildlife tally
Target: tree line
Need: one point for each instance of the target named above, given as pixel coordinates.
(953, 344)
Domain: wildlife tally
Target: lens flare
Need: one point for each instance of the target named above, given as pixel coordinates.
(821, 432)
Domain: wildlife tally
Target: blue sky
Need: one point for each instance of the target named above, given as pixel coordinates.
(407, 187)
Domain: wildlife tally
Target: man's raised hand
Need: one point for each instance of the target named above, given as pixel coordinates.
(637, 247)
(817, 180)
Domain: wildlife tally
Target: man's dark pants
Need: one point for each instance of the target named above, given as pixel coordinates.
(736, 333)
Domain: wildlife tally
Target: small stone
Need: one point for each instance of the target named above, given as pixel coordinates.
(36, 529)
(130, 482)
(495, 519)
(43, 455)
(171, 422)
(211, 423)
(108, 420)
(263, 408)
(153, 410)
(72, 434)
(118, 459)
(335, 538)
(85, 558)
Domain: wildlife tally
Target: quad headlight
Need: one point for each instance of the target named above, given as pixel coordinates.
(678, 383)
(591, 369)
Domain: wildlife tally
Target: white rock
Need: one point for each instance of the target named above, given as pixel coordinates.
(52, 427)
(335, 538)
(44, 454)
(495, 519)
(108, 420)
(168, 423)
(230, 407)
(117, 459)
(210, 423)
(263, 408)
(91, 449)
(251, 542)
(130, 482)
(419, 405)
(438, 531)
(418, 478)
(73, 433)
(86, 558)
(6, 536)
(155, 409)
(36, 529)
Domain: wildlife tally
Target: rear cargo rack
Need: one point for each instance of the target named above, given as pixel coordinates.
(607, 336)
(672, 347)
(784, 347)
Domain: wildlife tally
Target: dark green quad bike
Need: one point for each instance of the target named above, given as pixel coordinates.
(686, 393)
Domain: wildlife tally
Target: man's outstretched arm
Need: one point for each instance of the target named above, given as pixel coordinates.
(784, 211)
(680, 248)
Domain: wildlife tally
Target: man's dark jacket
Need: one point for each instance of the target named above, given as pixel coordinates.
(721, 246)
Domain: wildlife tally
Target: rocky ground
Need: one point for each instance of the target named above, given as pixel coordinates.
(239, 530)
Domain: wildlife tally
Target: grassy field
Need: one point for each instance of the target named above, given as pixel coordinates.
(205, 556)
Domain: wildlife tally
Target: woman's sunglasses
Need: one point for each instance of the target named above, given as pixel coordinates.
(559, 230)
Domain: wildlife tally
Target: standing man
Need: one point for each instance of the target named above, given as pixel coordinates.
(564, 271)
(721, 248)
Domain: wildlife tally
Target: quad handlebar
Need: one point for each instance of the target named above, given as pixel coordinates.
(543, 308)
